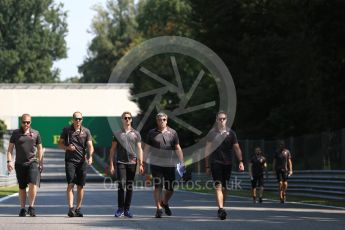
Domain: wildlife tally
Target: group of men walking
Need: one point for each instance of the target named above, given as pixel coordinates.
(282, 165)
(75, 140)
(161, 152)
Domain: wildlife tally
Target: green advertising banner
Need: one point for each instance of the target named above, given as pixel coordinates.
(50, 129)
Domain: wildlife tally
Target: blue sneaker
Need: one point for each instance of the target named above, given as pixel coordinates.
(119, 212)
(128, 214)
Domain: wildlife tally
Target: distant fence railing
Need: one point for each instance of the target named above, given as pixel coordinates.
(322, 151)
(325, 184)
(8, 180)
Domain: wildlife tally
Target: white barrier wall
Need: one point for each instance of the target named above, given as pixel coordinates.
(64, 99)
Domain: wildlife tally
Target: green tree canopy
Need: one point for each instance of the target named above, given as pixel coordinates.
(164, 18)
(287, 60)
(32, 36)
(3, 127)
(286, 57)
(115, 28)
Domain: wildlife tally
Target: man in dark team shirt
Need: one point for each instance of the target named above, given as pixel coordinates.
(256, 172)
(75, 139)
(28, 165)
(283, 166)
(162, 147)
(221, 142)
(127, 152)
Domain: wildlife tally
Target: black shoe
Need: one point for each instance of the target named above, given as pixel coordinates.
(128, 214)
(222, 214)
(78, 213)
(71, 213)
(254, 199)
(166, 209)
(260, 200)
(282, 200)
(31, 211)
(159, 213)
(22, 212)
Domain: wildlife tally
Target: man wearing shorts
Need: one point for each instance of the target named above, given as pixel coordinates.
(256, 172)
(221, 142)
(27, 165)
(75, 139)
(127, 152)
(283, 166)
(163, 146)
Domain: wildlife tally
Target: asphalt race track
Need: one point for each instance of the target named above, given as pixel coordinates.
(190, 210)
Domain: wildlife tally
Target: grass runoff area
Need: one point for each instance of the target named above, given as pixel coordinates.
(8, 190)
(274, 196)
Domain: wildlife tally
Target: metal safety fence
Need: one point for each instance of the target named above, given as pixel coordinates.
(326, 184)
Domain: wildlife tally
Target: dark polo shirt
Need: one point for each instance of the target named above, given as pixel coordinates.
(222, 143)
(25, 145)
(127, 142)
(79, 139)
(282, 157)
(162, 146)
(258, 163)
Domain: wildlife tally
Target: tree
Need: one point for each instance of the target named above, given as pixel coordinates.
(74, 79)
(114, 29)
(3, 128)
(172, 18)
(122, 25)
(286, 58)
(32, 36)
(164, 18)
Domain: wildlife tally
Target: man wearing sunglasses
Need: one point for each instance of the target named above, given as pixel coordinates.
(220, 145)
(127, 152)
(75, 140)
(28, 164)
(163, 146)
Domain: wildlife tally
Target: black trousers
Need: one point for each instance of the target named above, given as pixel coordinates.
(125, 177)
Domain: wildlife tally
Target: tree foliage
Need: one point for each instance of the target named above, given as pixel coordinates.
(115, 28)
(164, 18)
(32, 36)
(287, 58)
(3, 127)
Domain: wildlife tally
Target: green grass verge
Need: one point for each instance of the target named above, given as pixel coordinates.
(274, 196)
(8, 190)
